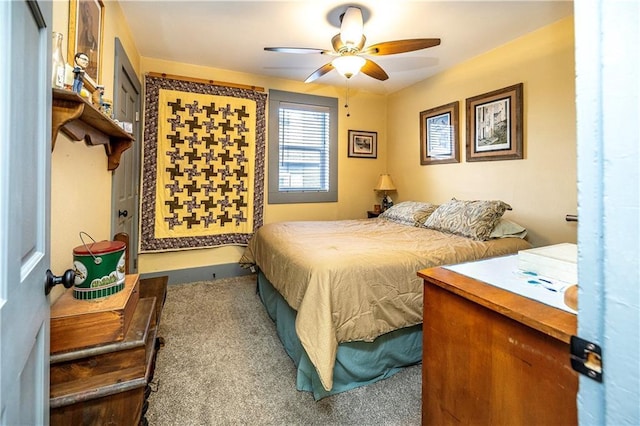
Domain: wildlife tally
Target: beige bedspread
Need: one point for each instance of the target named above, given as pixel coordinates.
(355, 280)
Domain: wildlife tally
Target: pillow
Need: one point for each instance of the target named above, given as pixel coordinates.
(407, 211)
(507, 229)
(472, 219)
(421, 216)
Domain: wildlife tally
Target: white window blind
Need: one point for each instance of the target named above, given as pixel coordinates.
(304, 147)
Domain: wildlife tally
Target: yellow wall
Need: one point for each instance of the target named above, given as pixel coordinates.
(80, 181)
(356, 176)
(541, 188)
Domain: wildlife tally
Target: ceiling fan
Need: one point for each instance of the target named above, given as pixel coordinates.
(348, 48)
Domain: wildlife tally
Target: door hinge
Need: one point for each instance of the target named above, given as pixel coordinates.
(586, 358)
(135, 264)
(137, 116)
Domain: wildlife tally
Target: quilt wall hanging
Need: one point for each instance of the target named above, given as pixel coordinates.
(203, 167)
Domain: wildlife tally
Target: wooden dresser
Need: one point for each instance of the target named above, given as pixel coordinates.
(103, 354)
(492, 357)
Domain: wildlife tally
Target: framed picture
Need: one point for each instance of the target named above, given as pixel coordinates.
(363, 144)
(86, 18)
(494, 125)
(439, 140)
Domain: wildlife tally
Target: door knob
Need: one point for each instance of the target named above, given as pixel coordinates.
(51, 280)
(123, 213)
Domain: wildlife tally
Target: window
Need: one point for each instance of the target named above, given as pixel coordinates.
(303, 148)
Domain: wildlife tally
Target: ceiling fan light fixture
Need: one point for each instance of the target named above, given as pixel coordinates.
(348, 65)
(352, 27)
(349, 44)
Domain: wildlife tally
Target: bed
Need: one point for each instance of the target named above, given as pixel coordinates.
(345, 295)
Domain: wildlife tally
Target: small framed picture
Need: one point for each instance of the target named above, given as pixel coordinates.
(439, 140)
(494, 125)
(363, 144)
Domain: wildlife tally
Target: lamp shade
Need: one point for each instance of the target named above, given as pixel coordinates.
(348, 65)
(351, 27)
(385, 184)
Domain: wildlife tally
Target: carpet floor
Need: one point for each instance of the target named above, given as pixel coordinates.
(223, 364)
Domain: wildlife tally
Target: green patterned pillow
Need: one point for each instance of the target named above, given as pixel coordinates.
(472, 219)
(408, 212)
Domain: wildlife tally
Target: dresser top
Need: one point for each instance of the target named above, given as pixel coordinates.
(552, 321)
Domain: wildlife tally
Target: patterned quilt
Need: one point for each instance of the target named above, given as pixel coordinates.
(203, 170)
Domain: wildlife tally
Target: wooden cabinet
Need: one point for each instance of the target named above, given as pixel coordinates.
(492, 357)
(80, 120)
(107, 383)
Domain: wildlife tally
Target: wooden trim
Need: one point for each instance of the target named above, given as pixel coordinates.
(205, 81)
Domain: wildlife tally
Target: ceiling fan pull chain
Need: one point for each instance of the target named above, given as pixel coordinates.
(346, 105)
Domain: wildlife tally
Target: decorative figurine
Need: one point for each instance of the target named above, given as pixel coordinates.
(97, 96)
(81, 61)
(77, 79)
(106, 108)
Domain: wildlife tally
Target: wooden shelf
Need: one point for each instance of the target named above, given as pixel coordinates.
(80, 120)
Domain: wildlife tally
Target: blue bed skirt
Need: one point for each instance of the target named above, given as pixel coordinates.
(357, 363)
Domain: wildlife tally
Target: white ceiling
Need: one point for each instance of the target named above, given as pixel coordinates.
(232, 34)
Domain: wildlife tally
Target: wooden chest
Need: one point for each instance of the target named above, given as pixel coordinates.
(78, 324)
(108, 383)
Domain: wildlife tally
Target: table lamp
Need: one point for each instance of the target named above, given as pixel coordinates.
(385, 184)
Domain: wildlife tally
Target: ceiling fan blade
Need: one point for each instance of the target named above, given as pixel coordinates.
(319, 72)
(300, 50)
(401, 46)
(374, 70)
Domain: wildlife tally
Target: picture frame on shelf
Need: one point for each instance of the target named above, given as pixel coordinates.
(86, 26)
(363, 144)
(495, 125)
(439, 135)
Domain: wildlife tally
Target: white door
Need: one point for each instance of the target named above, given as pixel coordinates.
(607, 92)
(25, 148)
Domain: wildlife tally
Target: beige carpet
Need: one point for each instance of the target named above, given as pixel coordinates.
(223, 364)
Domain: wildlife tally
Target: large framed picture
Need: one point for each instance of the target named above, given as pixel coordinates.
(494, 125)
(439, 140)
(86, 20)
(363, 144)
